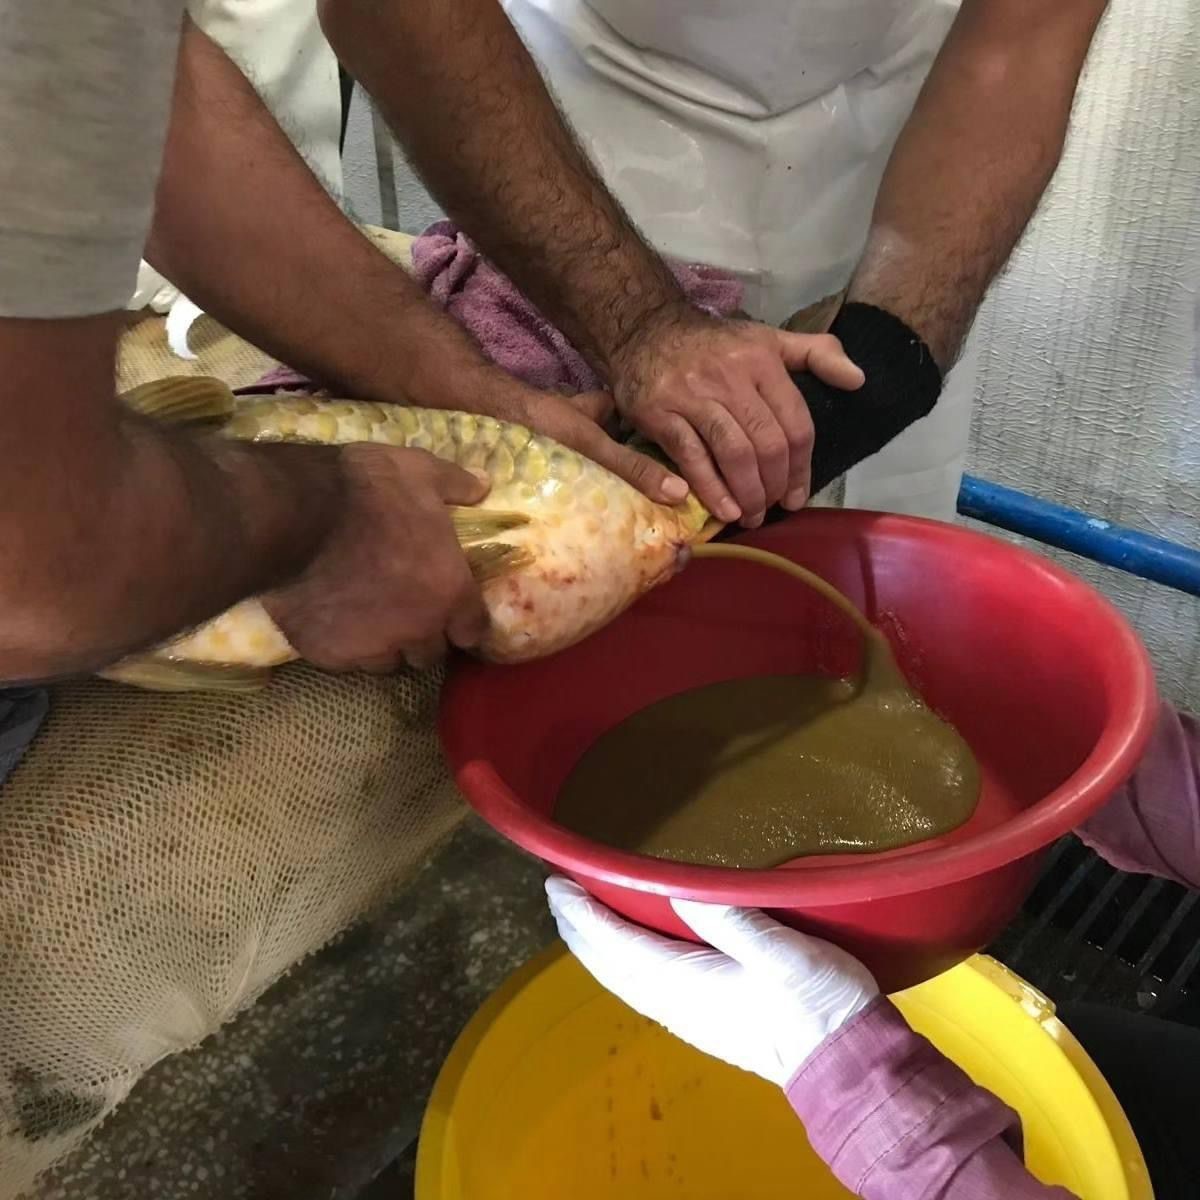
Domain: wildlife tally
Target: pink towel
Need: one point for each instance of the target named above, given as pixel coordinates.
(508, 328)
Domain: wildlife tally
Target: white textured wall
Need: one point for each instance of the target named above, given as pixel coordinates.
(411, 210)
(1088, 392)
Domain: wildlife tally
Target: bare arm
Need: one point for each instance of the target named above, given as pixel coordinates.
(295, 276)
(244, 228)
(467, 101)
(973, 161)
(118, 534)
(479, 124)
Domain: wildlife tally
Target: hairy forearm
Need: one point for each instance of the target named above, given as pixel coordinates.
(465, 98)
(246, 230)
(971, 165)
(119, 534)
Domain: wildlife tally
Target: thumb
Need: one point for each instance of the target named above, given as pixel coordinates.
(651, 478)
(456, 486)
(564, 421)
(822, 354)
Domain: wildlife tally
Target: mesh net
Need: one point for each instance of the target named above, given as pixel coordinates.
(144, 354)
(165, 858)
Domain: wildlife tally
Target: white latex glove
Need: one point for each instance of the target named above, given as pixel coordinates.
(764, 999)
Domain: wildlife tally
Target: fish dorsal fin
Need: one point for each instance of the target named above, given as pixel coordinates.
(181, 400)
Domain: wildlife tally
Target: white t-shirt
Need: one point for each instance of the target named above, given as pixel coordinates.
(85, 97)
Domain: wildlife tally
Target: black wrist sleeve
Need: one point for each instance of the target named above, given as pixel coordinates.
(903, 384)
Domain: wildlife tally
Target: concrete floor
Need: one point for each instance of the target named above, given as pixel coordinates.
(317, 1092)
(396, 1182)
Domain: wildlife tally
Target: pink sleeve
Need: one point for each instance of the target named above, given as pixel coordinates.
(1152, 825)
(896, 1120)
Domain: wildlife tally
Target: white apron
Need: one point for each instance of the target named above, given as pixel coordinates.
(282, 50)
(752, 135)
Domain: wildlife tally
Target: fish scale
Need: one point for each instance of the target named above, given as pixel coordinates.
(560, 545)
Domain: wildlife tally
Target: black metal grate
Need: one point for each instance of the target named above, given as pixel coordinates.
(1091, 933)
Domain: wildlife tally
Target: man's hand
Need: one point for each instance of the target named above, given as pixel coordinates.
(578, 422)
(714, 395)
(391, 584)
(717, 397)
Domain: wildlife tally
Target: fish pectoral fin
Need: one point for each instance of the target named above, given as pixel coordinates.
(181, 400)
(480, 524)
(491, 560)
(157, 674)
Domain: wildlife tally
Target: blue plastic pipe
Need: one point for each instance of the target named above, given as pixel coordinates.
(1128, 550)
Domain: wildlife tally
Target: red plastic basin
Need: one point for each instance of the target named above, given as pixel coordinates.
(1042, 676)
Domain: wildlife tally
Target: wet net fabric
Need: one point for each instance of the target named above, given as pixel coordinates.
(165, 858)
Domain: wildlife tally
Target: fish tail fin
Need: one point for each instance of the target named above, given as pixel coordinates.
(154, 673)
(182, 400)
(491, 560)
(480, 524)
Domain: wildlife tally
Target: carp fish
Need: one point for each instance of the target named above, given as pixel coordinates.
(560, 545)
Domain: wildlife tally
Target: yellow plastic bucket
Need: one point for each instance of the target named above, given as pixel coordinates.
(557, 1090)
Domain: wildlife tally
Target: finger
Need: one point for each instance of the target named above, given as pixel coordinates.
(687, 451)
(735, 457)
(787, 403)
(469, 620)
(644, 969)
(598, 936)
(457, 486)
(610, 972)
(822, 354)
(426, 653)
(560, 888)
(761, 424)
(753, 939)
(650, 478)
